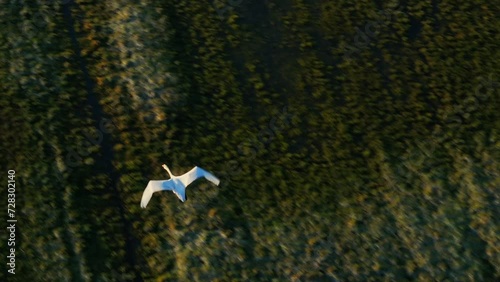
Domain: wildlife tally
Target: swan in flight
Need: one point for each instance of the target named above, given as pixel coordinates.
(177, 184)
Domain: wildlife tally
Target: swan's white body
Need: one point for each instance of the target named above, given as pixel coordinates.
(176, 184)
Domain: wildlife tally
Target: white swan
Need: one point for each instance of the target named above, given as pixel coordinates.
(177, 184)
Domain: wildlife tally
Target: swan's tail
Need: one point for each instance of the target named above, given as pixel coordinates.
(180, 192)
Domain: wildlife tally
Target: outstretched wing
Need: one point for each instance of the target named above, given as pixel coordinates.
(196, 173)
(154, 186)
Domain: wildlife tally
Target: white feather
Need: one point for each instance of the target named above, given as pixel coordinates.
(154, 186)
(177, 184)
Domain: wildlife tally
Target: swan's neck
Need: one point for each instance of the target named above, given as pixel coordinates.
(168, 170)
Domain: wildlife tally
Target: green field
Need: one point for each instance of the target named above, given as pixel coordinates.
(354, 140)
